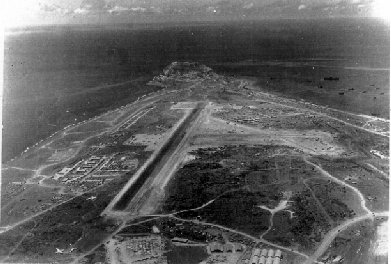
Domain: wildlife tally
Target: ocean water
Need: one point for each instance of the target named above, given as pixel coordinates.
(58, 75)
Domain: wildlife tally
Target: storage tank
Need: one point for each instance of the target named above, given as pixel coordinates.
(278, 253)
(269, 260)
(255, 256)
(257, 252)
(270, 253)
(262, 260)
(276, 260)
(254, 259)
(264, 252)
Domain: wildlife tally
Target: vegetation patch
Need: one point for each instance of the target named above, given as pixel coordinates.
(237, 210)
(306, 228)
(88, 127)
(356, 172)
(186, 254)
(335, 199)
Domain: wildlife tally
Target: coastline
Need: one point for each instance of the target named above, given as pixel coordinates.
(71, 126)
(253, 82)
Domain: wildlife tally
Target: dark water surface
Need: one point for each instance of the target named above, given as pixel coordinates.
(55, 76)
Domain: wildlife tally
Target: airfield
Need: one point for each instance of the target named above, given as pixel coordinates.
(209, 169)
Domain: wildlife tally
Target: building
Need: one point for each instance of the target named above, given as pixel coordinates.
(270, 255)
(276, 260)
(337, 259)
(257, 252)
(228, 248)
(269, 260)
(180, 240)
(254, 260)
(255, 256)
(216, 247)
(238, 247)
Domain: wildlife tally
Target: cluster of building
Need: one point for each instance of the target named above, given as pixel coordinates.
(265, 116)
(96, 167)
(265, 256)
(120, 163)
(216, 247)
(134, 119)
(142, 249)
(81, 169)
(328, 259)
(248, 120)
(144, 246)
(186, 229)
(95, 170)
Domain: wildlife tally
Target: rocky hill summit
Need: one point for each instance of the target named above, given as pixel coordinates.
(186, 68)
(178, 74)
(183, 71)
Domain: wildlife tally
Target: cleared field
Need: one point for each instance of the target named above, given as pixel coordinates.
(33, 199)
(33, 159)
(75, 223)
(221, 132)
(89, 126)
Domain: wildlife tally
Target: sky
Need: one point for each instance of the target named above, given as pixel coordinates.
(39, 12)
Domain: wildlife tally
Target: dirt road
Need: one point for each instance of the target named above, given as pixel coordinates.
(328, 175)
(372, 131)
(332, 234)
(329, 238)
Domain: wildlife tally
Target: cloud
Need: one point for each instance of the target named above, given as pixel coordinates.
(138, 9)
(117, 9)
(86, 11)
(48, 8)
(122, 9)
(156, 9)
(93, 5)
(81, 11)
(301, 7)
(213, 10)
(52, 8)
(111, 7)
(248, 6)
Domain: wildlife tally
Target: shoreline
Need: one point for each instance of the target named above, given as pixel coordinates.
(251, 79)
(306, 102)
(71, 126)
(254, 80)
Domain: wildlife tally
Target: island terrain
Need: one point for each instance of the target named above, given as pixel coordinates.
(207, 169)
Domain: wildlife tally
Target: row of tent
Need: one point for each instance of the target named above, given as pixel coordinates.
(266, 256)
